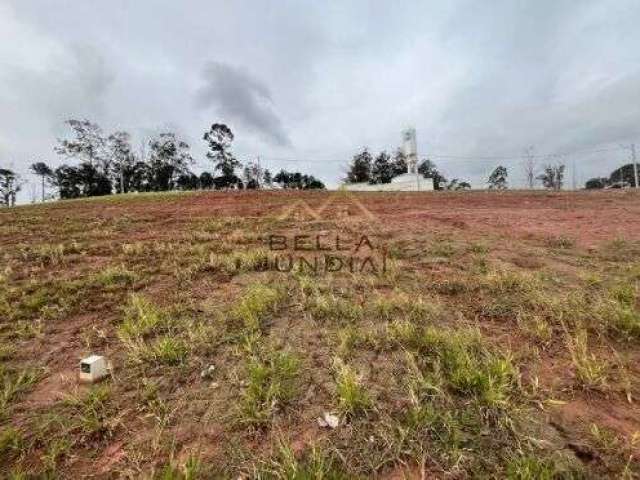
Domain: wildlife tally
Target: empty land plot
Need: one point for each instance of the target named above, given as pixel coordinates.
(434, 335)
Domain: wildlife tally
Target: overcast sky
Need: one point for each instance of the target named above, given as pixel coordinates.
(305, 84)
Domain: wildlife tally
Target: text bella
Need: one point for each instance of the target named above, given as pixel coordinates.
(326, 253)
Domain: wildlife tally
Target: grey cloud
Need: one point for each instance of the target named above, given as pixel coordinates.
(234, 93)
(75, 83)
(322, 79)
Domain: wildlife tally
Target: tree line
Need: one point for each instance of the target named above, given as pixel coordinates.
(364, 168)
(624, 176)
(108, 164)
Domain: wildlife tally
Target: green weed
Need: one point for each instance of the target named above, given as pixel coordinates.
(403, 305)
(11, 441)
(561, 242)
(530, 468)
(352, 395)
(466, 364)
(14, 384)
(167, 351)
(271, 383)
(241, 261)
(190, 470)
(333, 307)
(141, 318)
(591, 371)
(114, 277)
(91, 412)
(315, 464)
(257, 302)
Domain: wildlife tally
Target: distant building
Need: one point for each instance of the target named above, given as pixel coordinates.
(411, 181)
(410, 149)
(407, 182)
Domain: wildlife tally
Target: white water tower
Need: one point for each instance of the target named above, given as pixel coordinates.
(410, 149)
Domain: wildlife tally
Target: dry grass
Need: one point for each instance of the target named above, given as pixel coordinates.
(479, 353)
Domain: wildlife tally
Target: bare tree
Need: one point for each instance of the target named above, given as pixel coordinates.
(529, 165)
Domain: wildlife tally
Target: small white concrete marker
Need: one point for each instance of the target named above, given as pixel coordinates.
(93, 368)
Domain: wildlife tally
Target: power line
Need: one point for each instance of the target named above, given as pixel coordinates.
(635, 165)
(457, 157)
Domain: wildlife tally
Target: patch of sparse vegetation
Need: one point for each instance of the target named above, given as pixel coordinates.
(315, 463)
(334, 307)
(460, 361)
(189, 470)
(353, 397)
(591, 371)
(90, 412)
(115, 277)
(531, 468)
(241, 261)
(561, 242)
(271, 383)
(141, 318)
(166, 350)
(428, 355)
(50, 254)
(257, 302)
(11, 441)
(12, 384)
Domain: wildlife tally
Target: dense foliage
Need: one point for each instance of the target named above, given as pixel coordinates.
(108, 164)
(624, 176)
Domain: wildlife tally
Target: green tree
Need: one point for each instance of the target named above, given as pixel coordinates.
(360, 168)
(267, 178)
(252, 176)
(169, 158)
(10, 185)
(85, 180)
(498, 179)
(44, 171)
(399, 163)
(382, 170)
(596, 183)
(87, 144)
(624, 174)
(298, 181)
(206, 181)
(122, 159)
(552, 177)
(219, 138)
(187, 181)
(428, 169)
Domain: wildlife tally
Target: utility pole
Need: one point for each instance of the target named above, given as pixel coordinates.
(259, 173)
(635, 165)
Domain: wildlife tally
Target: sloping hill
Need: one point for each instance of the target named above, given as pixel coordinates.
(447, 335)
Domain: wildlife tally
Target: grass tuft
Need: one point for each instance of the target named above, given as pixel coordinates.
(591, 371)
(257, 302)
(141, 318)
(353, 397)
(271, 383)
(13, 384)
